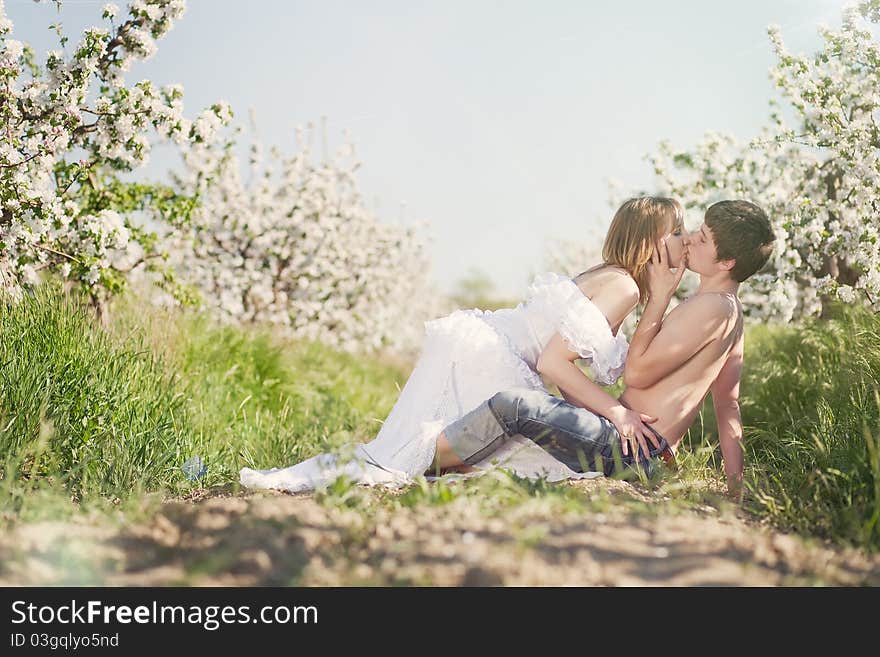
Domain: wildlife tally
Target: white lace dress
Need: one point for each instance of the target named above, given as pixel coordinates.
(466, 358)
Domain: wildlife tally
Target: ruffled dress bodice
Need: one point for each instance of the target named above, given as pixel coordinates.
(555, 303)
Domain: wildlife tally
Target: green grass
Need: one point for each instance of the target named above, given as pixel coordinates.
(813, 418)
(256, 400)
(102, 417)
(80, 411)
(809, 403)
(494, 494)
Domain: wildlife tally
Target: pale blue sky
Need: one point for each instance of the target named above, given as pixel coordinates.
(498, 122)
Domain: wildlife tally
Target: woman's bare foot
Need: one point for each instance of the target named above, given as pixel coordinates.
(459, 468)
(450, 470)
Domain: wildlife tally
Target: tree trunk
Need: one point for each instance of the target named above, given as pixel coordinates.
(102, 315)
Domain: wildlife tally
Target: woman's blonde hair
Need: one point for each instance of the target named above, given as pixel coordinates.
(634, 231)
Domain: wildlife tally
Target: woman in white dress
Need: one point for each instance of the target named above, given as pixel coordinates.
(470, 355)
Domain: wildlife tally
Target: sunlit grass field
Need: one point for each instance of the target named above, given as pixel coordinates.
(809, 402)
(166, 402)
(108, 415)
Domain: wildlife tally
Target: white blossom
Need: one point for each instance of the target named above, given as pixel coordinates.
(61, 119)
(292, 244)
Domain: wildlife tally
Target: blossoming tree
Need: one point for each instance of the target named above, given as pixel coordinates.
(294, 245)
(70, 128)
(815, 169)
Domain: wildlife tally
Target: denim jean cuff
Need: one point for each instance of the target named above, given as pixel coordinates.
(476, 435)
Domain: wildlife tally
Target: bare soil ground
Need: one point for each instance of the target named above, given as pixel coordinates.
(267, 538)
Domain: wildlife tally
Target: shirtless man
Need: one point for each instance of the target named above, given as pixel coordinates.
(673, 362)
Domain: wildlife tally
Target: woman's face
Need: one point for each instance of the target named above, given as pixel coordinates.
(676, 243)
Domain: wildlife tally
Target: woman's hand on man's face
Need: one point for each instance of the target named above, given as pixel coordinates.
(662, 281)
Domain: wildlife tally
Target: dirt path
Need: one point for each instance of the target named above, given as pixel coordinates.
(276, 539)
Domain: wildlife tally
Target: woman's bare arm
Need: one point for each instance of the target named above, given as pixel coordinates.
(556, 363)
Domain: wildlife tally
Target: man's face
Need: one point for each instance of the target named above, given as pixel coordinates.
(702, 254)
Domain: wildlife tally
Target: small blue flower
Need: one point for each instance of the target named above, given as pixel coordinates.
(195, 468)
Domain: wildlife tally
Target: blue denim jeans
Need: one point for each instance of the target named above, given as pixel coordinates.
(579, 438)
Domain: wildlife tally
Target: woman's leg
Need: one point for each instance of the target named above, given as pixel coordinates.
(446, 460)
(445, 457)
(468, 440)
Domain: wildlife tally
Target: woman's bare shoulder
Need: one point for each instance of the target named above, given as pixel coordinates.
(608, 281)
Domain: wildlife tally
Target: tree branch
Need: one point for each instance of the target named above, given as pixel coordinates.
(109, 55)
(61, 253)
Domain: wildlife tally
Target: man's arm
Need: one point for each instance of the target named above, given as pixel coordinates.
(725, 397)
(659, 347)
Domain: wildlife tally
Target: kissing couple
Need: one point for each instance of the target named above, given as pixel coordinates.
(477, 399)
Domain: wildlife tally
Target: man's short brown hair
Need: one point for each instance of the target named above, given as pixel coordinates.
(742, 232)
